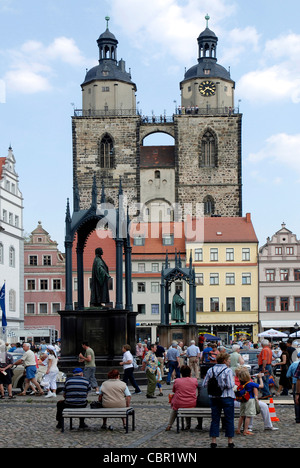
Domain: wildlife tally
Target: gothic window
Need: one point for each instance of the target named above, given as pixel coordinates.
(209, 205)
(106, 152)
(208, 157)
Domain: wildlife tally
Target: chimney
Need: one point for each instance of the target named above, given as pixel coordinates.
(248, 217)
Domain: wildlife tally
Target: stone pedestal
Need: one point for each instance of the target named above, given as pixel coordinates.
(177, 332)
(106, 330)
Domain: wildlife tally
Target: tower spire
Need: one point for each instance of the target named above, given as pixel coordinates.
(207, 17)
(107, 18)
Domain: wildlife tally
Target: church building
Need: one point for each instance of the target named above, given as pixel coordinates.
(202, 168)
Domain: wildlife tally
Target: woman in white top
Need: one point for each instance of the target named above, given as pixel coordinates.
(49, 379)
(127, 364)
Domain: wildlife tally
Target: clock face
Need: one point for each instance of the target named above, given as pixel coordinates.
(207, 88)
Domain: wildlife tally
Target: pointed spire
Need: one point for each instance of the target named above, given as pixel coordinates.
(76, 196)
(103, 197)
(167, 260)
(68, 214)
(94, 192)
(120, 186)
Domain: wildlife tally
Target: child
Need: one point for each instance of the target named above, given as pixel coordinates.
(248, 408)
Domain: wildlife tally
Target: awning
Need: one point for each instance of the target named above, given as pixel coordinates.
(277, 324)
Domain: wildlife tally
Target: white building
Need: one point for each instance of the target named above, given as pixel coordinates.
(11, 241)
(279, 281)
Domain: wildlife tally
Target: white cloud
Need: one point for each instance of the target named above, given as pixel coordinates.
(239, 42)
(26, 82)
(32, 66)
(278, 81)
(282, 149)
(273, 83)
(168, 27)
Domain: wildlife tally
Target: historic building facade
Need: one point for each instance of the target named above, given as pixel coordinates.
(44, 283)
(203, 167)
(226, 268)
(279, 281)
(11, 241)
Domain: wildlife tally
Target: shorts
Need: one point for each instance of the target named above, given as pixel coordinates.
(248, 409)
(6, 379)
(30, 372)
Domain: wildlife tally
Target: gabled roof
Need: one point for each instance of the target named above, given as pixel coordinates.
(229, 229)
(2, 162)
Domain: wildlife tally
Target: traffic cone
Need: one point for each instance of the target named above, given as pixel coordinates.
(272, 411)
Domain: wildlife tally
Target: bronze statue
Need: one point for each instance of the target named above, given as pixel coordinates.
(177, 307)
(99, 284)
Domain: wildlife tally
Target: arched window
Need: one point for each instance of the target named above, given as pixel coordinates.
(209, 205)
(208, 157)
(157, 174)
(12, 257)
(106, 152)
(1, 253)
(12, 300)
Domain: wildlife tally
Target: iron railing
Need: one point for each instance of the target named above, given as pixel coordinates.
(162, 118)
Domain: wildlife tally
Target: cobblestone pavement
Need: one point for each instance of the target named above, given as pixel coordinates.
(32, 419)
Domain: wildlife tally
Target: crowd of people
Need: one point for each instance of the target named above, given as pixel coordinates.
(234, 386)
(203, 374)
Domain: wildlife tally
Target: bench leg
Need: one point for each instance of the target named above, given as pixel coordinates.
(200, 423)
(71, 424)
(133, 421)
(62, 425)
(127, 423)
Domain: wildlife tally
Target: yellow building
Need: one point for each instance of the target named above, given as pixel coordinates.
(226, 271)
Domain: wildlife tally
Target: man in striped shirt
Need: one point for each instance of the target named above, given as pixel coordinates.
(75, 396)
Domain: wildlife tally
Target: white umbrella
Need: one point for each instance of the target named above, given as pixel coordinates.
(295, 334)
(273, 334)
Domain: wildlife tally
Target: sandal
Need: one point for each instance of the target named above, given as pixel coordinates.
(247, 433)
(22, 394)
(11, 397)
(168, 428)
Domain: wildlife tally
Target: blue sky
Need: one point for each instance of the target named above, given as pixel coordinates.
(47, 45)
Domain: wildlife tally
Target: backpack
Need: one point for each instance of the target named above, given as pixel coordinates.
(213, 388)
(241, 394)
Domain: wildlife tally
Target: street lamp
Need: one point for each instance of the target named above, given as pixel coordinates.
(296, 327)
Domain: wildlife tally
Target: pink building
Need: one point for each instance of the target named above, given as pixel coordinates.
(44, 281)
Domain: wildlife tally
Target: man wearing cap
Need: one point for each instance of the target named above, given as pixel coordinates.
(75, 396)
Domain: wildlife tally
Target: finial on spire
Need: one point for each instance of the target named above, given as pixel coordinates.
(107, 18)
(207, 17)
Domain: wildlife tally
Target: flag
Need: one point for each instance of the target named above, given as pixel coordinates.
(2, 306)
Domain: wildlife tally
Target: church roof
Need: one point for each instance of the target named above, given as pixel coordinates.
(216, 71)
(108, 70)
(157, 157)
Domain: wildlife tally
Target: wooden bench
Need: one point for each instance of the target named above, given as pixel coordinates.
(198, 413)
(98, 413)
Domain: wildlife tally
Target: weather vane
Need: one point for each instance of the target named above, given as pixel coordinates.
(207, 17)
(107, 18)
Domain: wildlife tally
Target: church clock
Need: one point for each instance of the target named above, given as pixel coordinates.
(207, 88)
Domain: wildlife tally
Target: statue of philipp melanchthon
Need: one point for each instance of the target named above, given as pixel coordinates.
(177, 307)
(100, 276)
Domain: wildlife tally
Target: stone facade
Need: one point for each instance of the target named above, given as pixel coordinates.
(192, 182)
(108, 134)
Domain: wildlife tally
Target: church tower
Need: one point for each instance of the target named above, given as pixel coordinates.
(209, 135)
(203, 167)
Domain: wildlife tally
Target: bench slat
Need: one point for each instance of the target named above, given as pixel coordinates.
(99, 413)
